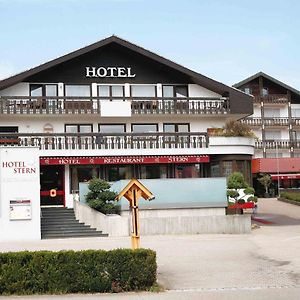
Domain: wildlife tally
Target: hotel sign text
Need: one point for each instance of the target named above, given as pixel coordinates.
(119, 72)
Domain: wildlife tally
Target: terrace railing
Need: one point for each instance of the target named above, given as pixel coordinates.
(92, 105)
(272, 99)
(89, 141)
(280, 144)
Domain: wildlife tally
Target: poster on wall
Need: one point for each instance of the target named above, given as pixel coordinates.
(20, 210)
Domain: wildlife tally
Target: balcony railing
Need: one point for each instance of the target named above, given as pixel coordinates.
(90, 141)
(280, 144)
(92, 105)
(267, 121)
(272, 99)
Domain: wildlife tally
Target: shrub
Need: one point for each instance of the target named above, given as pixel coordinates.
(236, 181)
(101, 198)
(291, 196)
(77, 272)
(236, 128)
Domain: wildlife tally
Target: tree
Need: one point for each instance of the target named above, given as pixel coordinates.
(266, 181)
(238, 189)
(100, 197)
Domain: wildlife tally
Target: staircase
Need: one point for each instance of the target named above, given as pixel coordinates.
(60, 222)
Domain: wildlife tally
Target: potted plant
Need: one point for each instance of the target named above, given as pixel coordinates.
(265, 180)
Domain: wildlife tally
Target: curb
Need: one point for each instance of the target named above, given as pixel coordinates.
(289, 201)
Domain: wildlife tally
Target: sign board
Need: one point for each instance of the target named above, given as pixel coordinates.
(115, 160)
(20, 210)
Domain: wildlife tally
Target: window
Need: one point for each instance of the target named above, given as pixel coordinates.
(141, 90)
(227, 168)
(272, 112)
(119, 172)
(175, 91)
(153, 171)
(11, 129)
(187, 171)
(295, 112)
(142, 128)
(112, 128)
(265, 92)
(176, 127)
(247, 90)
(82, 174)
(43, 90)
(75, 128)
(273, 135)
(6, 139)
(72, 90)
(110, 91)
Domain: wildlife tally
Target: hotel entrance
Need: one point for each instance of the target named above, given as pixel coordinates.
(52, 185)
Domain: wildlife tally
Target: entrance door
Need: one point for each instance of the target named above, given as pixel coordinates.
(52, 185)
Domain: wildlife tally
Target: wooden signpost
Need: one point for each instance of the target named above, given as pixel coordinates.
(133, 191)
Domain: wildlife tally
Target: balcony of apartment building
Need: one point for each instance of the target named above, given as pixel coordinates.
(277, 144)
(267, 121)
(107, 106)
(270, 99)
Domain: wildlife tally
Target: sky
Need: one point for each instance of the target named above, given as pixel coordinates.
(227, 40)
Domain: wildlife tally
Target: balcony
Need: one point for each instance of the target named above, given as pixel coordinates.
(97, 141)
(280, 144)
(269, 121)
(92, 105)
(272, 99)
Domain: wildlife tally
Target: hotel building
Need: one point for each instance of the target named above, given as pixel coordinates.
(117, 111)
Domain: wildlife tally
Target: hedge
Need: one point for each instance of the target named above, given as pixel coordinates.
(291, 196)
(77, 271)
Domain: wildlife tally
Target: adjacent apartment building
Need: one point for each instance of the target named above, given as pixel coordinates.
(276, 124)
(117, 111)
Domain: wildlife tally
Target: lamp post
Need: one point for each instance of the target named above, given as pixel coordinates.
(277, 165)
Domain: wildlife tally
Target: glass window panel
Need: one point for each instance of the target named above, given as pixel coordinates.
(272, 135)
(186, 171)
(182, 128)
(227, 168)
(143, 90)
(248, 90)
(295, 112)
(169, 127)
(117, 91)
(85, 128)
(78, 91)
(36, 90)
(271, 113)
(111, 128)
(82, 174)
(51, 90)
(119, 172)
(103, 90)
(265, 92)
(181, 91)
(141, 128)
(168, 91)
(71, 128)
(152, 171)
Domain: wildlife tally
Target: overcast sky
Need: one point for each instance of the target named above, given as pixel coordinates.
(227, 40)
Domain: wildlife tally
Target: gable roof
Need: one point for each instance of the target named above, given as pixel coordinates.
(255, 76)
(198, 78)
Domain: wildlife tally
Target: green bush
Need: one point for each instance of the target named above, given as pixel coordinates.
(77, 271)
(101, 198)
(291, 196)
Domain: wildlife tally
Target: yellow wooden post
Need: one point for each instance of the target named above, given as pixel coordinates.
(132, 192)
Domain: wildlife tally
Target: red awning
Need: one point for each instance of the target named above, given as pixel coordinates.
(124, 160)
(285, 176)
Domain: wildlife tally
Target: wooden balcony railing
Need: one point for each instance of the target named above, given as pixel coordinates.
(92, 105)
(271, 121)
(272, 99)
(280, 144)
(252, 121)
(88, 141)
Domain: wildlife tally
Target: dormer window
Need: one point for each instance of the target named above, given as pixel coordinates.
(247, 90)
(265, 92)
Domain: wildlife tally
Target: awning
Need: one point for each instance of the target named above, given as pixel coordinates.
(124, 160)
(285, 176)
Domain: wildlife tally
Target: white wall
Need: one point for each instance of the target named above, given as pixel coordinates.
(20, 180)
(20, 89)
(196, 90)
